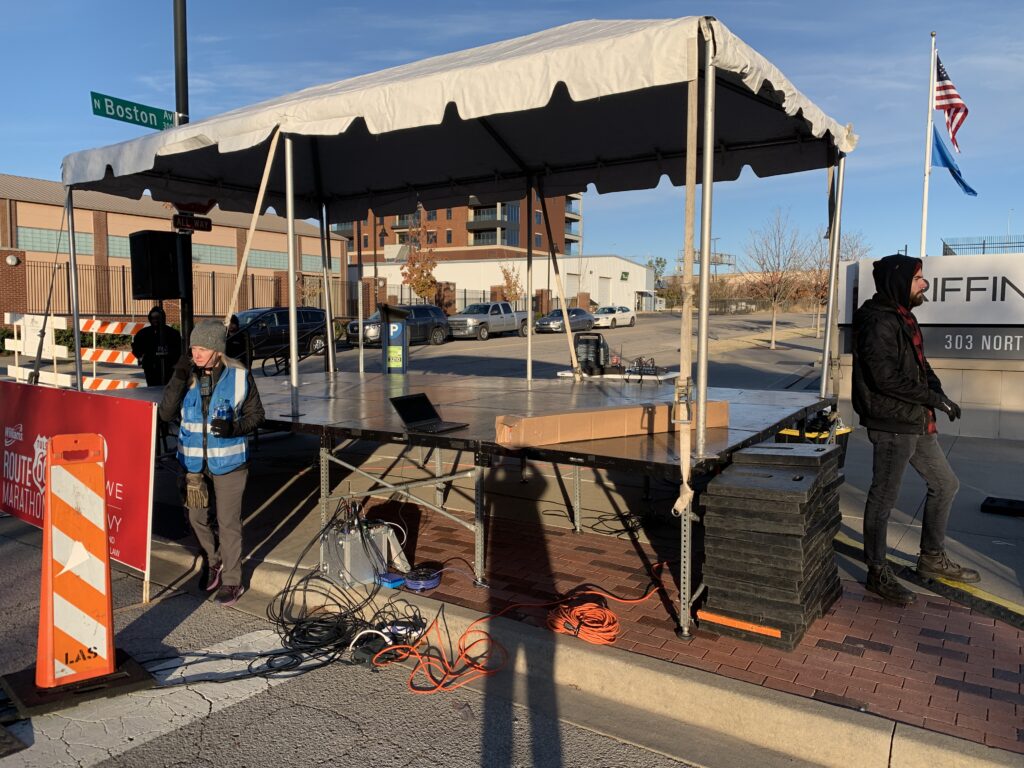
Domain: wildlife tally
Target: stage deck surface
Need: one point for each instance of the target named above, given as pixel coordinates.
(352, 405)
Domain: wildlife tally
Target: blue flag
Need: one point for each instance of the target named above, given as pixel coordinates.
(941, 157)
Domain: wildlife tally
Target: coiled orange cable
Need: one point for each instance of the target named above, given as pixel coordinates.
(479, 655)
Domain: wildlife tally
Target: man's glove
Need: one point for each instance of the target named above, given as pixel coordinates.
(950, 408)
(222, 428)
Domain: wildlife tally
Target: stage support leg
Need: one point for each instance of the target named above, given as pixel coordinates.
(325, 486)
(438, 470)
(577, 508)
(685, 587)
(478, 527)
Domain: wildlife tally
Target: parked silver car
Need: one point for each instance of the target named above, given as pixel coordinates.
(579, 320)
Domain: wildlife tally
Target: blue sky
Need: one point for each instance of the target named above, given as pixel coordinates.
(864, 63)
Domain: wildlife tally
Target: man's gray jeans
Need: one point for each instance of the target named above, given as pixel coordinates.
(892, 453)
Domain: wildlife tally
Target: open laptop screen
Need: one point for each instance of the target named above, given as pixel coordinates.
(414, 408)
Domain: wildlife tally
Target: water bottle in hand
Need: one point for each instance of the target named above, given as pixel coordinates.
(223, 410)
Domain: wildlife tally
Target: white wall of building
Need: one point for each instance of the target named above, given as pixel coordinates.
(614, 277)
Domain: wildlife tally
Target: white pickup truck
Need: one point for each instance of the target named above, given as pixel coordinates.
(481, 321)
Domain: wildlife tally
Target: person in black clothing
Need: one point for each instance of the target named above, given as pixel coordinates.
(237, 343)
(219, 405)
(896, 393)
(157, 347)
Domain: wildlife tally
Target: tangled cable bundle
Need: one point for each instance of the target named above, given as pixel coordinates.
(590, 621)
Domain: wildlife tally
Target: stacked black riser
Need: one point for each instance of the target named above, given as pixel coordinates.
(769, 522)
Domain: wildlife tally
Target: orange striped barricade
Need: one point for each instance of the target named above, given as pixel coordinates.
(111, 356)
(75, 653)
(76, 616)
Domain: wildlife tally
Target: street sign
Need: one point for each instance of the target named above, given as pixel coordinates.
(192, 223)
(130, 112)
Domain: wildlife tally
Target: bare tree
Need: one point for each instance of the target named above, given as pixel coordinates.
(778, 256)
(852, 246)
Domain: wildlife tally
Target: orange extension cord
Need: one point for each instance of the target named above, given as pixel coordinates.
(479, 655)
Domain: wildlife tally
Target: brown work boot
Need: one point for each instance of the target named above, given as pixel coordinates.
(937, 565)
(883, 582)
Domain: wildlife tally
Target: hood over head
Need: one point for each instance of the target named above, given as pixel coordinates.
(893, 276)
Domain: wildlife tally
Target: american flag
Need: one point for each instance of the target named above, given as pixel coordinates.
(947, 98)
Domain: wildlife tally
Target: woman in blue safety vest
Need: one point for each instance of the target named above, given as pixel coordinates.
(218, 404)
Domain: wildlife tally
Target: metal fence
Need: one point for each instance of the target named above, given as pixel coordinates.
(107, 291)
(972, 246)
(403, 294)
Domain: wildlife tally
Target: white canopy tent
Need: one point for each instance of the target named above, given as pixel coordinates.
(615, 104)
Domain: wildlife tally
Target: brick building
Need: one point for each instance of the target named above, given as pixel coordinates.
(33, 237)
(471, 232)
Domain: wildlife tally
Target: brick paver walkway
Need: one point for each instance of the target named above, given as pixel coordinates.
(937, 664)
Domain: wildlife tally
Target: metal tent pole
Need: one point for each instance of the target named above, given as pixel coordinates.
(359, 290)
(529, 279)
(707, 182)
(327, 259)
(833, 274)
(293, 314)
(73, 270)
(684, 384)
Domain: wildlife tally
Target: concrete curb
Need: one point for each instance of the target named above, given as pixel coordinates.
(703, 711)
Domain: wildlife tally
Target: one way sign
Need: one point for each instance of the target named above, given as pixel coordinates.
(192, 223)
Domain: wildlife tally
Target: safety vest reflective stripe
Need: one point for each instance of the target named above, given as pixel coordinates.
(230, 450)
(193, 426)
(239, 397)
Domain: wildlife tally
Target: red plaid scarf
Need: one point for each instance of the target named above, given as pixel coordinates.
(918, 339)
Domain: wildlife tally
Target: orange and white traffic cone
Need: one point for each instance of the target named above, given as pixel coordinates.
(76, 627)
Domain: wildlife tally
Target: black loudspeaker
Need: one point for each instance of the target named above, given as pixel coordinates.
(155, 257)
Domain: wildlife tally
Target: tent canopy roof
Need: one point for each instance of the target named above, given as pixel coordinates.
(592, 102)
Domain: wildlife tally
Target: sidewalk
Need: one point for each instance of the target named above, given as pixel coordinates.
(868, 680)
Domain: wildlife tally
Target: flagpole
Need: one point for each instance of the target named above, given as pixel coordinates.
(927, 151)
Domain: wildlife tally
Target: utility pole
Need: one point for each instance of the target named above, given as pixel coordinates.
(180, 118)
(180, 64)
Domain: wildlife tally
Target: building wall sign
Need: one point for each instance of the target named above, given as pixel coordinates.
(965, 290)
(977, 342)
(973, 309)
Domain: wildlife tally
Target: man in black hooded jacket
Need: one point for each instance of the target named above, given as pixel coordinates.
(895, 393)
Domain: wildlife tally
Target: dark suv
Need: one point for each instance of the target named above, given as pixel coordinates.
(267, 329)
(425, 322)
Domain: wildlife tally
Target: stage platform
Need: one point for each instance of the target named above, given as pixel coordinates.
(345, 408)
(352, 405)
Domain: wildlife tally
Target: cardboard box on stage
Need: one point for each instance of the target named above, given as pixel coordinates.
(514, 431)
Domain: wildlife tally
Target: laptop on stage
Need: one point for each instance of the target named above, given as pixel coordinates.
(419, 415)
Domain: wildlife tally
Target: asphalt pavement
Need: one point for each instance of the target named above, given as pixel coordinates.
(370, 719)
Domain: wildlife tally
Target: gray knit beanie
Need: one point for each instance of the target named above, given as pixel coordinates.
(209, 334)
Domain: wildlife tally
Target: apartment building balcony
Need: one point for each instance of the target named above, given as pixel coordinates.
(574, 206)
(406, 221)
(487, 218)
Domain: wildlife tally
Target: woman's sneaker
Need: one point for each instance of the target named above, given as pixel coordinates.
(938, 566)
(883, 582)
(213, 577)
(229, 594)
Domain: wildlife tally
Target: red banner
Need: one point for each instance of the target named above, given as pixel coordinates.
(30, 415)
